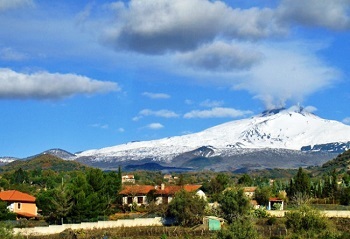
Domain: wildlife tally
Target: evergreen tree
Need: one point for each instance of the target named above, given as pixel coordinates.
(300, 184)
(233, 204)
(187, 208)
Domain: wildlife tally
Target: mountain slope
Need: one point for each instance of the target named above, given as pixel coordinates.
(284, 129)
(44, 162)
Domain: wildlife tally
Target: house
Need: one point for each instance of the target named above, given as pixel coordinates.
(162, 194)
(128, 178)
(275, 204)
(20, 203)
(249, 191)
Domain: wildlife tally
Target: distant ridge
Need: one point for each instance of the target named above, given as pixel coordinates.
(44, 162)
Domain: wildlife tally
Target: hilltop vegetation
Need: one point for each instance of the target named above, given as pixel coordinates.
(341, 163)
(44, 162)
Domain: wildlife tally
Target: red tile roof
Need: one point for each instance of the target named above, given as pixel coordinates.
(275, 199)
(168, 189)
(16, 196)
(136, 189)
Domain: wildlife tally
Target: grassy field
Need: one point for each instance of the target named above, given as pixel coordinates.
(265, 229)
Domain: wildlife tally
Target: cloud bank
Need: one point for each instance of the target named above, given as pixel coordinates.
(156, 95)
(44, 85)
(217, 112)
(253, 49)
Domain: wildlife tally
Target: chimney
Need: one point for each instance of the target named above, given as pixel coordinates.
(162, 186)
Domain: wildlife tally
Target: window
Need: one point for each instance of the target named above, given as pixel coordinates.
(140, 200)
(19, 206)
(129, 200)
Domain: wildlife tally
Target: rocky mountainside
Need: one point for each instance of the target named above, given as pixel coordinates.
(284, 138)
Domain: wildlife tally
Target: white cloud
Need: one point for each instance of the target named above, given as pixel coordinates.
(160, 26)
(12, 4)
(211, 103)
(121, 130)
(158, 113)
(310, 109)
(346, 120)
(221, 56)
(9, 54)
(44, 85)
(332, 14)
(217, 112)
(289, 72)
(155, 126)
(156, 95)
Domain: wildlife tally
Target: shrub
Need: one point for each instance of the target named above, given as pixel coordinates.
(260, 213)
(271, 221)
(241, 228)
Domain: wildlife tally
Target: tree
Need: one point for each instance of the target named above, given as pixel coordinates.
(20, 176)
(187, 208)
(245, 180)
(263, 194)
(217, 185)
(233, 204)
(5, 214)
(62, 201)
(345, 196)
(300, 184)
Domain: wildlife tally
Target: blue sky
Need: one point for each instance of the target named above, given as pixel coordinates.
(80, 75)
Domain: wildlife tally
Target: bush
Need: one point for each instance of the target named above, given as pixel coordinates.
(271, 221)
(6, 232)
(260, 213)
(241, 228)
(310, 223)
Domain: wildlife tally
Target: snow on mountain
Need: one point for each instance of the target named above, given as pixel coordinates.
(6, 160)
(291, 129)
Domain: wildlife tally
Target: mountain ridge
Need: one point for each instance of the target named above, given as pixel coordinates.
(293, 133)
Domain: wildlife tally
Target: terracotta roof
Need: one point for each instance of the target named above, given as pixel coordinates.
(168, 189)
(136, 189)
(172, 189)
(249, 189)
(275, 199)
(16, 196)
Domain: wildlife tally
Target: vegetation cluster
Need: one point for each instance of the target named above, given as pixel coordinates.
(71, 193)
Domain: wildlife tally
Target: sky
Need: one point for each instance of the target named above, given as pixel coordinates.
(82, 74)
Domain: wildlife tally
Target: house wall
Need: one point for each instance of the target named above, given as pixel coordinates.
(135, 200)
(24, 207)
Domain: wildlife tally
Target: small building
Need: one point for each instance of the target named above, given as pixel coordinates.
(249, 191)
(163, 194)
(128, 179)
(212, 223)
(275, 204)
(22, 204)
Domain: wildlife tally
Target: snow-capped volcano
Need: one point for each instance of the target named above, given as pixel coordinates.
(287, 129)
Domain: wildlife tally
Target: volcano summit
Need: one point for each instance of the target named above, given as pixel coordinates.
(281, 138)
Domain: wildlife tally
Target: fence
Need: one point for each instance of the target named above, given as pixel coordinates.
(327, 213)
(54, 229)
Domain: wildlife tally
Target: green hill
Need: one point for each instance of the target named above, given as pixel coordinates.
(44, 162)
(341, 163)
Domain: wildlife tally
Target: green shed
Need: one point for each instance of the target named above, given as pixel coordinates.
(212, 223)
